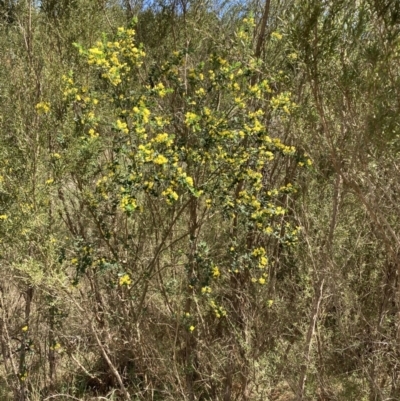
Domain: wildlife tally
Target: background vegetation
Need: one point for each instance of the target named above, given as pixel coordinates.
(199, 200)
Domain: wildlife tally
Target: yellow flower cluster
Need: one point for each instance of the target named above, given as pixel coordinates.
(219, 311)
(122, 126)
(43, 107)
(215, 272)
(191, 118)
(160, 159)
(69, 87)
(170, 195)
(128, 203)
(115, 59)
(282, 101)
(259, 254)
(125, 280)
(206, 290)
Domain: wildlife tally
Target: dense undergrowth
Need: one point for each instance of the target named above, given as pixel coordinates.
(198, 200)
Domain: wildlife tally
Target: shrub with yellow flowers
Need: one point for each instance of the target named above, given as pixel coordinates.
(178, 167)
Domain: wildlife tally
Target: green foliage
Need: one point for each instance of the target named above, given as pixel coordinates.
(197, 205)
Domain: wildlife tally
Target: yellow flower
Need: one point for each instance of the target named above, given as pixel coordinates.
(25, 328)
(242, 35)
(160, 90)
(206, 290)
(127, 203)
(258, 252)
(268, 230)
(215, 271)
(43, 107)
(160, 159)
(276, 35)
(191, 118)
(191, 328)
(171, 194)
(189, 181)
(125, 280)
(261, 280)
(161, 138)
(93, 133)
(55, 347)
(122, 126)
